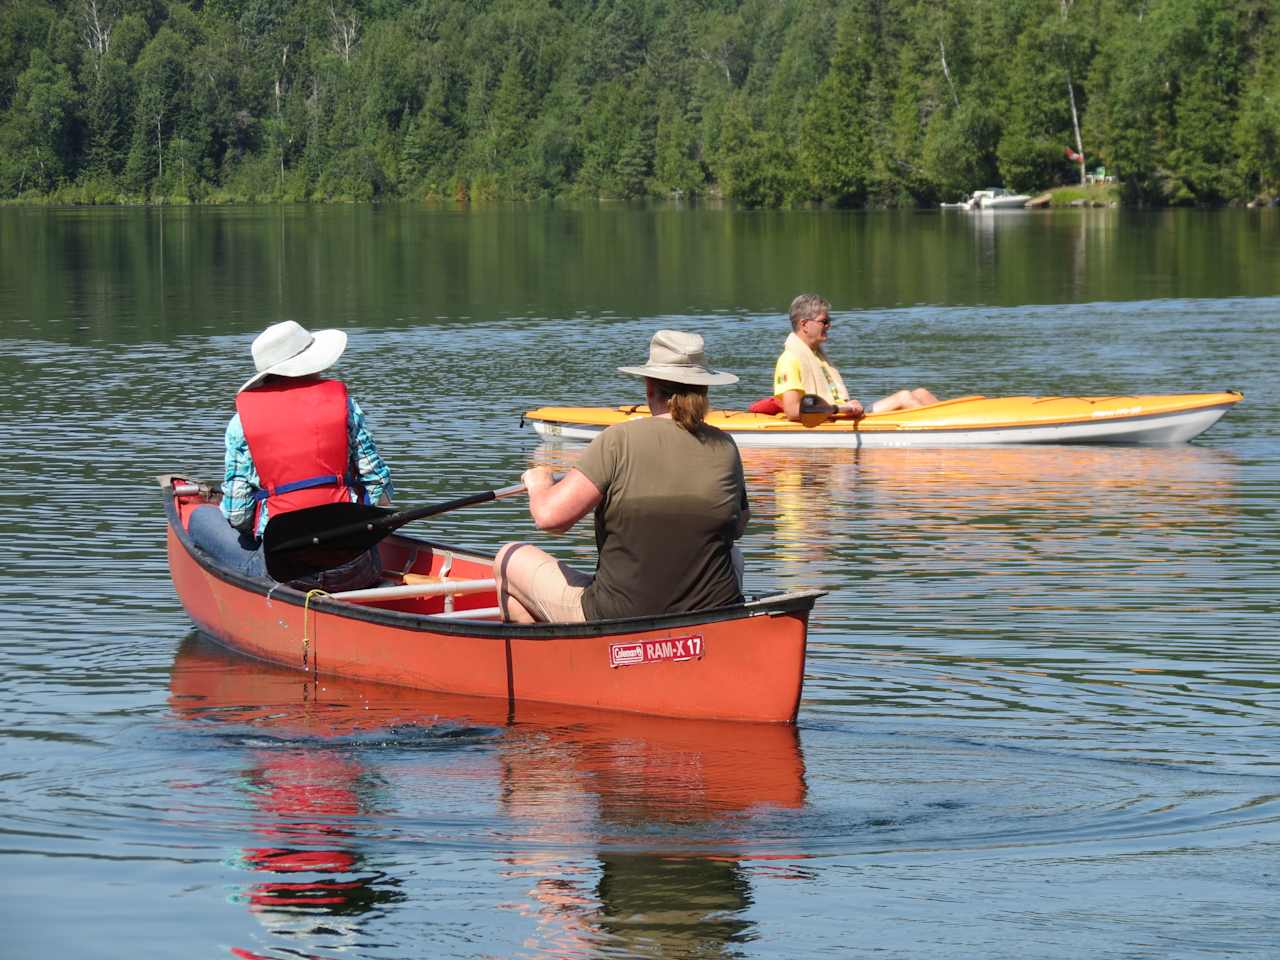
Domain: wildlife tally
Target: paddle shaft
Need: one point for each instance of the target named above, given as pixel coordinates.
(391, 521)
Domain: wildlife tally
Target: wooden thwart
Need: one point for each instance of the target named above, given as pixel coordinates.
(433, 588)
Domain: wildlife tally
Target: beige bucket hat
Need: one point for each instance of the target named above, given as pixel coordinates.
(288, 349)
(678, 357)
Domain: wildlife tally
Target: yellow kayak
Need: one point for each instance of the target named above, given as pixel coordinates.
(965, 421)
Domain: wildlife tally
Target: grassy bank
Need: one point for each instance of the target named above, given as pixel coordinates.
(1090, 195)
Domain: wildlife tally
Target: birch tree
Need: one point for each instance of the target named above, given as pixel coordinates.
(97, 20)
(162, 81)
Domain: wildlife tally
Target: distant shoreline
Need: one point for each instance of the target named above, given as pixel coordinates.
(1056, 198)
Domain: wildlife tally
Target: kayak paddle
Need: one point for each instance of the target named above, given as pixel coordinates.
(302, 542)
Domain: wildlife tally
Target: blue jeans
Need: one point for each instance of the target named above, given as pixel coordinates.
(210, 532)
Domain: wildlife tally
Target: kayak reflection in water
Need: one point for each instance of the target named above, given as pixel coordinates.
(669, 501)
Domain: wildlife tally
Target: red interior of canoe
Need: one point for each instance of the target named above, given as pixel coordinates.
(408, 561)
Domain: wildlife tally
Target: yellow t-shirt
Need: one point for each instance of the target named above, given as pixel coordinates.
(787, 375)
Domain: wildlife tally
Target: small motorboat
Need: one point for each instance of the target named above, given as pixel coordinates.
(992, 198)
(434, 624)
(965, 421)
(1000, 199)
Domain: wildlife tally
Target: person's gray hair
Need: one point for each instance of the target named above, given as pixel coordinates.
(806, 307)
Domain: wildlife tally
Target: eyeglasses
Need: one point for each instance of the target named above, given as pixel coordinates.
(825, 321)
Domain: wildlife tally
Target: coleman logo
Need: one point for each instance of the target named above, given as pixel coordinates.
(653, 651)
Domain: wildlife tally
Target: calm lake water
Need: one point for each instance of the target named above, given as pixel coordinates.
(1040, 711)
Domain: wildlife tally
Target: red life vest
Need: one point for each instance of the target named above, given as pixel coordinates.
(297, 436)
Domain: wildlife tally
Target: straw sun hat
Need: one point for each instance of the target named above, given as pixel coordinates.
(678, 358)
(288, 349)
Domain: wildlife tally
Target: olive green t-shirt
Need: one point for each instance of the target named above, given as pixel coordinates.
(665, 526)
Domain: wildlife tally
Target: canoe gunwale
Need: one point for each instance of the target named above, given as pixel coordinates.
(800, 601)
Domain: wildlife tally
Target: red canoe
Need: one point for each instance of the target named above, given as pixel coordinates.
(432, 625)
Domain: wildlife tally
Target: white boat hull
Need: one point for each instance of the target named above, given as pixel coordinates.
(993, 199)
(1012, 203)
(1166, 428)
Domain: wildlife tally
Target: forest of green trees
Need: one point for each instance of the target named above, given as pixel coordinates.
(766, 102)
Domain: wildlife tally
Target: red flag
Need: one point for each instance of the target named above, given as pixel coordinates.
(1073, 156)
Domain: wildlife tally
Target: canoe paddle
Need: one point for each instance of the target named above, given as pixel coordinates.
(301, 542)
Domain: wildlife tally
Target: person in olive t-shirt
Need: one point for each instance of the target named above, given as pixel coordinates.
(669, 499)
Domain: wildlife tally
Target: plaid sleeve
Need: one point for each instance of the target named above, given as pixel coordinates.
(240, 477)
(370, 467)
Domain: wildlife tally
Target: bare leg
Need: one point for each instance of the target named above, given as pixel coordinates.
(904, 400)
(513, 611)
(534, 586)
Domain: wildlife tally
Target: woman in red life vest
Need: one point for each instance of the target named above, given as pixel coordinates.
(296, 440)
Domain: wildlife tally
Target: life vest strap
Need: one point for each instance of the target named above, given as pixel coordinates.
(328, 480)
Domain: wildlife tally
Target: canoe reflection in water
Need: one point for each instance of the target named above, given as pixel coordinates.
(307, 797)
(301, 794)
(629, 831)
(674, 808)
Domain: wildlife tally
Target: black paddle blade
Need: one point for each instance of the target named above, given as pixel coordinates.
(322, 537)
(300, 543)
(349, 525)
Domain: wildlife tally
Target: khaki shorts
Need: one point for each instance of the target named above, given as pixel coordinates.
(550, 589)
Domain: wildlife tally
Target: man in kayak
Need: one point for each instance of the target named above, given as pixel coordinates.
(296, 440)
(669, 499)
(803, 369)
